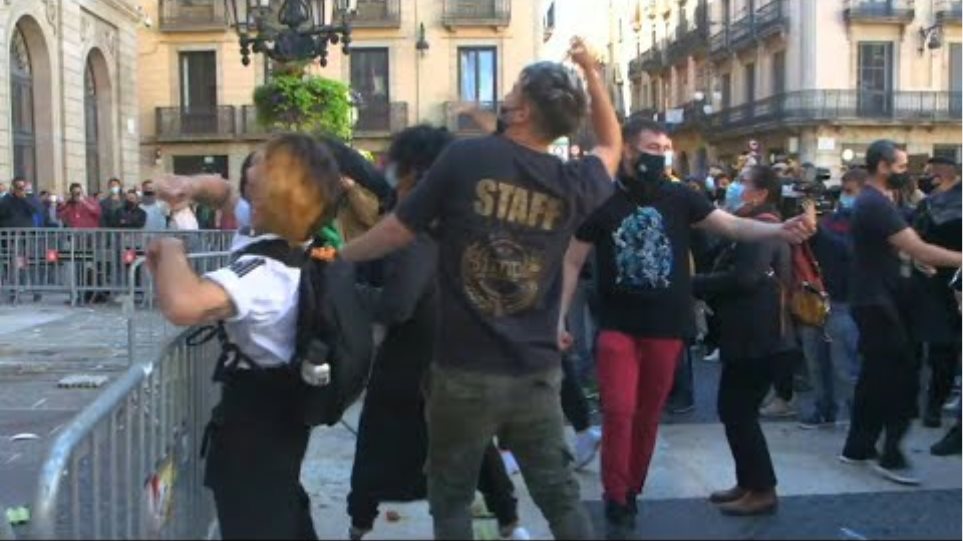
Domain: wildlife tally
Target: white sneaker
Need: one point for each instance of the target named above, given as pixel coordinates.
(712, 357)
(518, 533)
(587, 445)
(511, 465)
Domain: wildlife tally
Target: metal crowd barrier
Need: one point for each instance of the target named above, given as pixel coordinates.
(129, 465)
(84, 264)
(147, 330)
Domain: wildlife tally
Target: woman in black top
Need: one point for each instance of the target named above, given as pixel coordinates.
(745, 287)
(392, 434)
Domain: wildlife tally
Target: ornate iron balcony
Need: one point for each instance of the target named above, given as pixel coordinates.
(496, 13)
(192, 15)
(195, 123)
(890, 11)
(377, 14)
(381, 119)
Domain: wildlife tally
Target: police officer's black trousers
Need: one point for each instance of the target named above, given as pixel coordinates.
(256, 442)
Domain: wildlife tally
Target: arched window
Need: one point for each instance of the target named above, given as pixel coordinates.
(21, 107)
(91, 128)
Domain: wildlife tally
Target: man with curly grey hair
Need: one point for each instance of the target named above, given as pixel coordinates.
(502, 208)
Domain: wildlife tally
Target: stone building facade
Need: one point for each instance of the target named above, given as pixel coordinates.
(475, 50)
(68, 92)
(818, 80)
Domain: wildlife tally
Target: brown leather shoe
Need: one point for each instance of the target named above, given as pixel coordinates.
(763, 502)
(726, 496)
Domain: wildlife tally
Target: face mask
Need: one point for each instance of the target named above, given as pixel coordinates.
(734, 200)
(928, 184)
(242, 212)
(391, 175)
(650, 168)
(115, 190)
(148, 194)
(898, 181)
(669, 157)
(847, 201)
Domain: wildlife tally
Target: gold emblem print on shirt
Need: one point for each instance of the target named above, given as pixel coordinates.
(501, 277)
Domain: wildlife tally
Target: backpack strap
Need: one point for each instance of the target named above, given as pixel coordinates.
(232, 358)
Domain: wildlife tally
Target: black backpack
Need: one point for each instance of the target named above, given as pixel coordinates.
(330, 310)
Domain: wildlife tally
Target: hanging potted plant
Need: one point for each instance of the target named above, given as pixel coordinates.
(293, 100)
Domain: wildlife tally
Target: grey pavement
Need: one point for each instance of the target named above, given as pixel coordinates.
(821, 498)
(39, 345)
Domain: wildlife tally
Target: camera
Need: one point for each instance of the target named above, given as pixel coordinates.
(811, 187)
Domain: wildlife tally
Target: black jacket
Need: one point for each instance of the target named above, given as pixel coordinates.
(128, 217)
(745, 289)
(933, 311)
(392, 434)
(19, 212)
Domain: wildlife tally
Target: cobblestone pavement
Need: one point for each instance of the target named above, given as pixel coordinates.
(39, 344)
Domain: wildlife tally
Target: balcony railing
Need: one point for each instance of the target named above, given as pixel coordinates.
(765, 21)
(653, 59)
(381, 119)
(690, 39)
(193, 123)
(635, 68)
(840, 106)
(891, 11)
(193, 15)
(477, 13)
(377, 14)
(464, 124)
(249, 127)
(949, 11)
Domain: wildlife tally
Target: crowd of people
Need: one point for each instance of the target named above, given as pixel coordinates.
(492, 320)
(120, 208)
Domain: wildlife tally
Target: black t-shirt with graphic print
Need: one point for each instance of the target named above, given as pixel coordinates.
(503, 215)
(643, 271)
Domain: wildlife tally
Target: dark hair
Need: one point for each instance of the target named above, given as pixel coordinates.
(415, 149)
(242, 184)
(635, 126)
(353, 164)
(557, 96)
(763, 177)
(856, 174)
(75, 185)
(941, 160)
(18, 178)
(115, 179)
(882, 150)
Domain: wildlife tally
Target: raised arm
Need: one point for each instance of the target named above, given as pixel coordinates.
(180, 191)
(794, 230)
(184, 297)
(604, 120)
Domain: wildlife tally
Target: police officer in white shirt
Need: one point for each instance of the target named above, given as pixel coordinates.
(257, 436)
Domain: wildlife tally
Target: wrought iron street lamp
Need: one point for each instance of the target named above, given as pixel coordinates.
(291, 30)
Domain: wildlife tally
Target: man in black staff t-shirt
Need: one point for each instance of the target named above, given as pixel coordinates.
(886, 391)
(642, 237)
(504, 209)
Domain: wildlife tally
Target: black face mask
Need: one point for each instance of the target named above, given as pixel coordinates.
(649, 168)
(647, 172)
(148, 194)
(898, 181)
(927, 184)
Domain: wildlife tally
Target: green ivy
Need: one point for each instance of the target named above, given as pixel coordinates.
(295, 101)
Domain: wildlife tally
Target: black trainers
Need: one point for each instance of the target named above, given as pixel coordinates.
(619, 519)
(949, 445)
